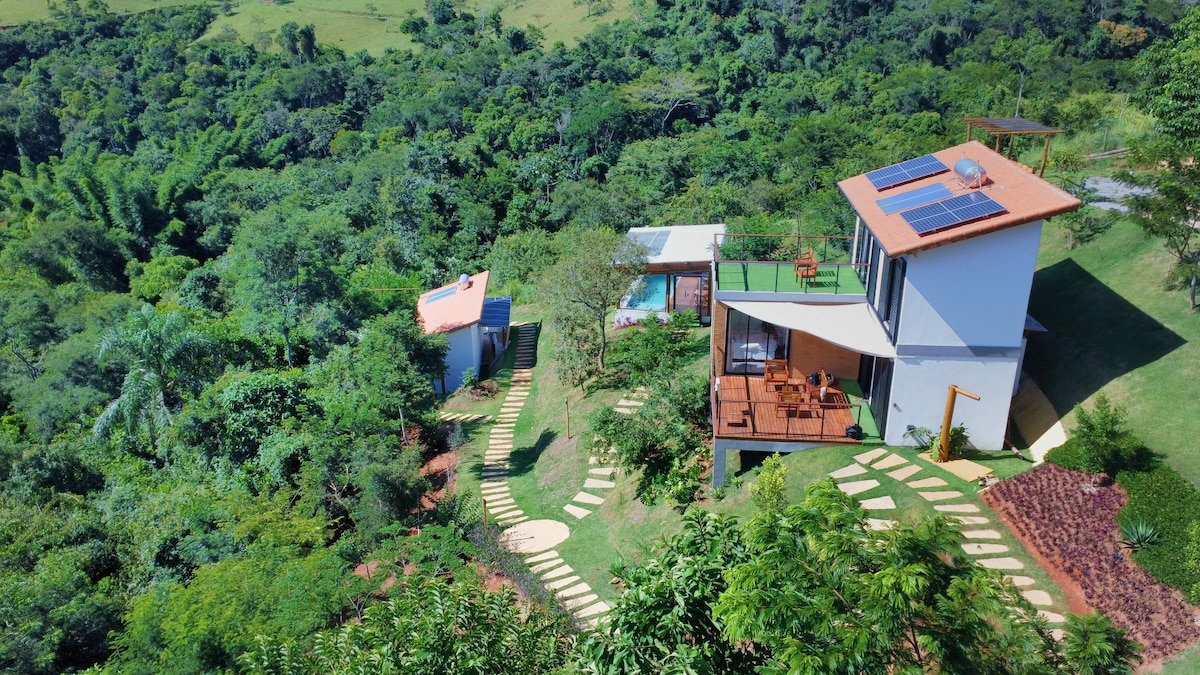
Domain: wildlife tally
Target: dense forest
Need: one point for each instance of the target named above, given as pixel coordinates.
(208, 416)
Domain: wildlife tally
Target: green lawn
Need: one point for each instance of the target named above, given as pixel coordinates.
(1114, 327)
(354, 25)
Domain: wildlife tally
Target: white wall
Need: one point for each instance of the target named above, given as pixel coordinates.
(466, 349)
(971, 293)
(920, 386)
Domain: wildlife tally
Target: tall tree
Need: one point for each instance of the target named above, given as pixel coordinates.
(594, 271)
(161, 349)
(289, 267)
(1169, 208)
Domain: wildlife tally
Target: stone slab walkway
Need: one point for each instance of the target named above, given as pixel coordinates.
(874, 463)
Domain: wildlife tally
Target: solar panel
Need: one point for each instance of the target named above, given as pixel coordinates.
(438, 295)
(906, 171)
(913, 198)
(951, 212)
(653, 241)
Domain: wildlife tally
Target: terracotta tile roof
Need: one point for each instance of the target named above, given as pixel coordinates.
(1024, 196)
(449, 308)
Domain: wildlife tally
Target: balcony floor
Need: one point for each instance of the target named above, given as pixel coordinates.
(746, 409)
(780, 277)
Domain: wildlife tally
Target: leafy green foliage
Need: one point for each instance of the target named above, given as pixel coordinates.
(427, 626)
(1161, 497)
(664, 621)
(262, 195)
(767, 491)
(811, 589)
(664, 439)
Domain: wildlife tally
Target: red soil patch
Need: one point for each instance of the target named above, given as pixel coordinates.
(1073, 532)
(1076, 600)
(441, 469)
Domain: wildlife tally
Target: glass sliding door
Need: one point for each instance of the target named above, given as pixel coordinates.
(750, 342)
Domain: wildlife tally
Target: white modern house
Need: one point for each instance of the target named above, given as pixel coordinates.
(476, 326)
(931, 291)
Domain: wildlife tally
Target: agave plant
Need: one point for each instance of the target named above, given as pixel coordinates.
(1140, 534)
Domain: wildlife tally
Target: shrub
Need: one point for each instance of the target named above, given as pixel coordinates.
(1069, 455)
(767, 491)
(1140, 534)
(1163, 498)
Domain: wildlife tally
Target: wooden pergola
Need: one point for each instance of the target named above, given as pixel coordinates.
(1011, 127)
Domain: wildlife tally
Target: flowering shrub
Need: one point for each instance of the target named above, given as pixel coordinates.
(1076, 530)
(482, 390)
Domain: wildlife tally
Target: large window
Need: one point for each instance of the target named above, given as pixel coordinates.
(750, 342)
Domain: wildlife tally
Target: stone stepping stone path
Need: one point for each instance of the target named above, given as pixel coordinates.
(881, 459)
(855, 469)
(956, 508)
(588, 498)
(464, 418)
(971, 520)
(858, 486)
(870, 455)
(941, 495)
(889, 462)
(575, 595)
(972, 548)
(1037, 597)
(1001, 563)
(904, 472)
(878, 503)
(577, 511)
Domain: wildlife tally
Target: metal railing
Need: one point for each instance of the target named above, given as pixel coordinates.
(747, 252)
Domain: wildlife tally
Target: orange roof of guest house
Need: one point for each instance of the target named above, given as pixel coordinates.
(453, 306)
(1021, 196)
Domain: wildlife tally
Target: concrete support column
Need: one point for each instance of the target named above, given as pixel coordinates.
(718, 468)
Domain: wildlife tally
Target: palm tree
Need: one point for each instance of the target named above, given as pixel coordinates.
(161, 349)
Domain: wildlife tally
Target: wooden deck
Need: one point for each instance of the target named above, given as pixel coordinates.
(745, 408)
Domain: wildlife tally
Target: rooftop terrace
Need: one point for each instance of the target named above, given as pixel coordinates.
(767, 263)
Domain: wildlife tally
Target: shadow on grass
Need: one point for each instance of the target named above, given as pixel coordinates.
(522, 460)
(1095, 335)
(751, 460)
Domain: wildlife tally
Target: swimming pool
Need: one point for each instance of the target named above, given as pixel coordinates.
(653, 295)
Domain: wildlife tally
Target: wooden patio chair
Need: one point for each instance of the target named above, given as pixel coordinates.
(790, 402)
(806, 266)
(775, 373)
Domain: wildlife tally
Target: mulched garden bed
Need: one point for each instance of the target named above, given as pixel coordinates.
(1074, 528)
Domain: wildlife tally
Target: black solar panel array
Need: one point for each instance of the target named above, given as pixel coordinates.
(905, 172)
(951, 212)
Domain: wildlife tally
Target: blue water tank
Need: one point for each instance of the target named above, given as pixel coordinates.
(969, 173)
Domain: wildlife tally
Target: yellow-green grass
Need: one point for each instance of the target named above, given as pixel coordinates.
(1115, 327)
(351, 25)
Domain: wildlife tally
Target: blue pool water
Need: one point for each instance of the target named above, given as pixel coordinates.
(653, 295)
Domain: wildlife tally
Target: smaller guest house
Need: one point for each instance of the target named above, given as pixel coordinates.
(678, 272)
(475, 326)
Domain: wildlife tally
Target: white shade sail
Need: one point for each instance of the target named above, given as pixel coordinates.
(853, 326)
